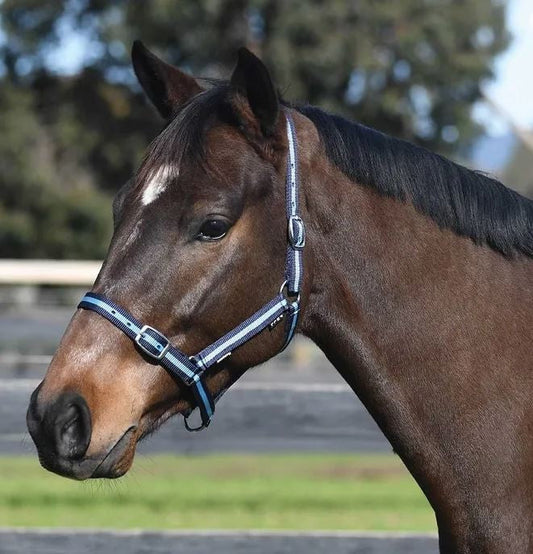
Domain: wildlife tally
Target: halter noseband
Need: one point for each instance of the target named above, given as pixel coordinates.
(189, 369)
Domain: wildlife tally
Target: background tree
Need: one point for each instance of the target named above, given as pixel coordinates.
(409, 68)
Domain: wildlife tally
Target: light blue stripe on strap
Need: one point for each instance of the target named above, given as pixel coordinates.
(118, 316)
(174, 361)
(250, 327)
(207, 405)
(124, 320)
(294, 320)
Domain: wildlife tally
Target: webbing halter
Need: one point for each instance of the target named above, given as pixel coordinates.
(189, 369)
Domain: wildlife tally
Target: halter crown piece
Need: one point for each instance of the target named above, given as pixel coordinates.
(190, 369)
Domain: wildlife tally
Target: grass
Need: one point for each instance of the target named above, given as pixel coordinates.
(304, 492)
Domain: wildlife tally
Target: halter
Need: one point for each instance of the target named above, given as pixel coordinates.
(190, 369)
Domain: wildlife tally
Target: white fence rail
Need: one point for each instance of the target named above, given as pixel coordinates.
(10, 359)
(48, 272)
(22, 279)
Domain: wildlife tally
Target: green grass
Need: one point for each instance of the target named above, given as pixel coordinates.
(305, 492)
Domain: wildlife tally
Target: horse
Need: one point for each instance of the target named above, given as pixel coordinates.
(415, 280)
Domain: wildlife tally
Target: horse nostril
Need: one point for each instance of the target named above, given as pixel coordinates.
(71, 426)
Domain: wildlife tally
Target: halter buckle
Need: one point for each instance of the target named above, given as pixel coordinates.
(156, 351)
(296, 232)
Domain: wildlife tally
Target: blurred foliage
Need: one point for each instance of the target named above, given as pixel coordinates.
(411, 68)
(48, 207)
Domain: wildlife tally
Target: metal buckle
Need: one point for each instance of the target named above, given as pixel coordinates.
(296, 231)
(140, 336)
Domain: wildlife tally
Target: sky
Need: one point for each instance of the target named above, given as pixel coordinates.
(513, 87)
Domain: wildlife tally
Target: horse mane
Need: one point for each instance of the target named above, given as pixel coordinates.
(468, 202)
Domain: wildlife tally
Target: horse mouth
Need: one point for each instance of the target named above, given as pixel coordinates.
(114, 463)
(118, 459)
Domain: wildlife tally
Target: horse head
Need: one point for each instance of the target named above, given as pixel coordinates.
(199, 244)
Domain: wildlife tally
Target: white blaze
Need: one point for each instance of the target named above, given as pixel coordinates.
(157, 183)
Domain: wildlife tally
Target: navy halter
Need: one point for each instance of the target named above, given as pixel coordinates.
(189, 369)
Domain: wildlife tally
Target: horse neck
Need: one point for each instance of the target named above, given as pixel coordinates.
(417, 320)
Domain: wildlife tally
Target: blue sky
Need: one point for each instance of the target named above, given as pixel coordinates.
(513, 87)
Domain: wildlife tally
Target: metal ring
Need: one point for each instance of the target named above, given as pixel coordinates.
(194, 429)
(283, 286)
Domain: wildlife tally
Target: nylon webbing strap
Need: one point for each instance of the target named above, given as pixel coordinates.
(153, 344)
(156, 346)
(243, 332)
(295, 226)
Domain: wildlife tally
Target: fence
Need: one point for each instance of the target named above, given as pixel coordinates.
(28, 286)
(48, 272)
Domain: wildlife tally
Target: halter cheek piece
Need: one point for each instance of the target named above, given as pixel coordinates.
(190, 369)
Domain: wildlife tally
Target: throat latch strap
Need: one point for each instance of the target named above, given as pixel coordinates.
(155, 346)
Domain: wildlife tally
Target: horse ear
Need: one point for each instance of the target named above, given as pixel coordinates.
(252, 80)
(165, 85)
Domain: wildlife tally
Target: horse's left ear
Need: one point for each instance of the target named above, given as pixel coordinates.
(252, 80)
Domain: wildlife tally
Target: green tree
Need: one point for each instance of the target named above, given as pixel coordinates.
(40, 215)
(409, 68)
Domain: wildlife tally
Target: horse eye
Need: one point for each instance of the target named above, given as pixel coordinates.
(213, 229)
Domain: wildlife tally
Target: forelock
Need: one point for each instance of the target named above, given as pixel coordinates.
(184, 136)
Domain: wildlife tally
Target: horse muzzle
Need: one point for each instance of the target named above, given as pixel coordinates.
(61, 430)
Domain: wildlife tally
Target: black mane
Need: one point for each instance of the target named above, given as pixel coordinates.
(455, 197)
(466, 201)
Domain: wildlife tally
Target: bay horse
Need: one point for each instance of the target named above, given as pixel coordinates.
(417, 284)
